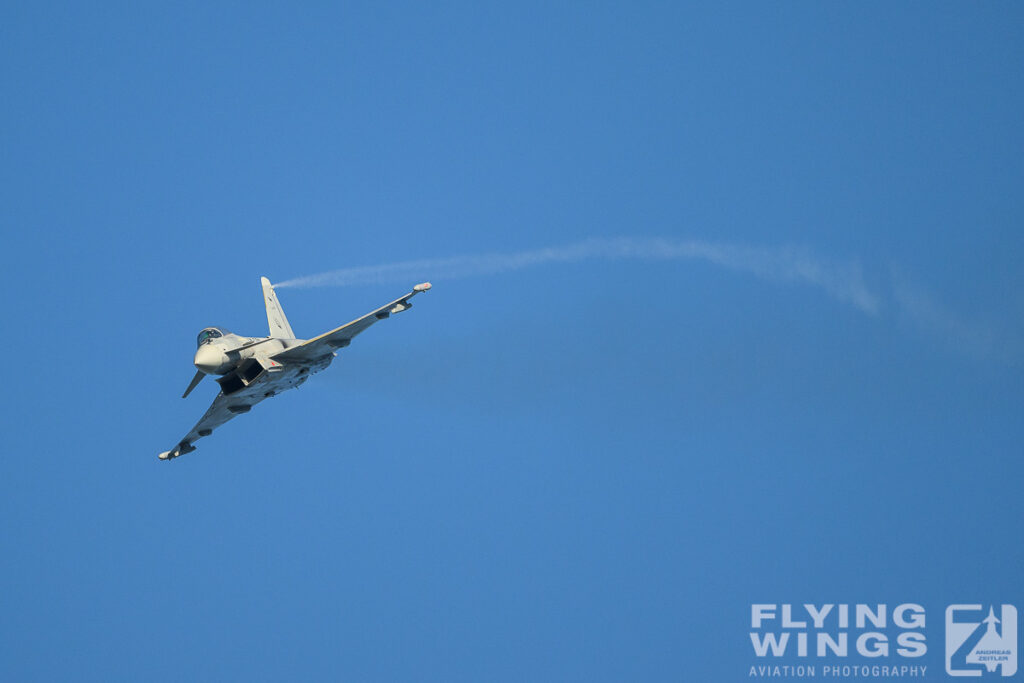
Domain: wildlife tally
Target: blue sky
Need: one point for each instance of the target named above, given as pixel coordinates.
(576, 471)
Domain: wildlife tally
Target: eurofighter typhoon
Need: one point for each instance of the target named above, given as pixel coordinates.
(254, 368)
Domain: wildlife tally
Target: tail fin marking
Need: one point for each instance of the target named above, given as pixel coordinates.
(276, 319)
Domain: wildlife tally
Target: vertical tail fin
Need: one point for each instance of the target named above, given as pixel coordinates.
(279, 326)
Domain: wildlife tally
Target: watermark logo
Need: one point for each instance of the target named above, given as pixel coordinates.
(981, 641)
(837, 640)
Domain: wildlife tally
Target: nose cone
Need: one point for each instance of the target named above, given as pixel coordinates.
(210, 359)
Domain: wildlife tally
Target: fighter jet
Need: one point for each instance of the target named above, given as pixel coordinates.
(254, 368)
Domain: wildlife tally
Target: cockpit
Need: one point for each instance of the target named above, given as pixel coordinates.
(209, 334)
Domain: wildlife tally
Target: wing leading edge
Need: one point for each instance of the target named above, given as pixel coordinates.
(255, 380)
(223, 409)
(340, 337)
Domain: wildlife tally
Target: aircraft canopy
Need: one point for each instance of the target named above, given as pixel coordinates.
(209, 334)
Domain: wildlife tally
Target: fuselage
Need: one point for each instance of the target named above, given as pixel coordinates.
(221, 351)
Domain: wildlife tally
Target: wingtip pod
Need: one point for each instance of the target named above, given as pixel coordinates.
(181, 449)
(422, 287)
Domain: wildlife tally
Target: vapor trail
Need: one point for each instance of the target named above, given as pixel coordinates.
(842, 281)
